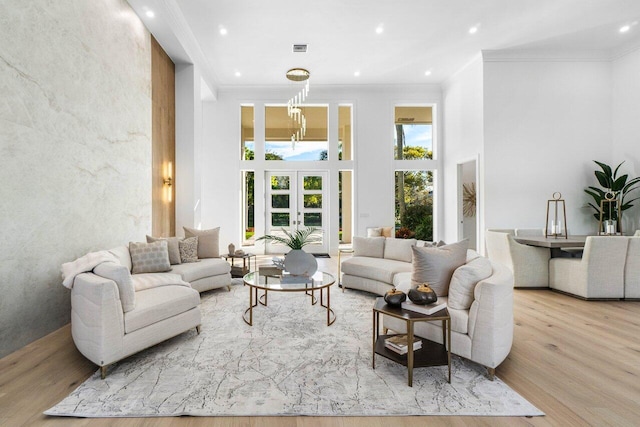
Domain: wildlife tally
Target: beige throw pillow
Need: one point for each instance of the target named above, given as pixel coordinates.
(208, 241)
(435, 266)
(173, 247)
(368, 246)
(399, 249)
(149, 257)
(374, 232)
(388, 232)
(122, 276)
(464, 281)
(189, 249)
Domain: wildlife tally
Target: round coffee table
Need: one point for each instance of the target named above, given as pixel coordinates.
(320, 282)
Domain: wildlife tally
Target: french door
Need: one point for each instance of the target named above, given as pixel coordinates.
(296, 200)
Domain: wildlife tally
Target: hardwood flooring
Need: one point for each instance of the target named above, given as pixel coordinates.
(578, 361)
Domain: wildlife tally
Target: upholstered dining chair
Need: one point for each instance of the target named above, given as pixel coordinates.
(530, 265)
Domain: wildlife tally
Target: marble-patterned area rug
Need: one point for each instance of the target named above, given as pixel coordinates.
(288, 363)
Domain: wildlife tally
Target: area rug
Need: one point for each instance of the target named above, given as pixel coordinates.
(288, 363)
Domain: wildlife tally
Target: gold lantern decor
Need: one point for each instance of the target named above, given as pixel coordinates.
(610, 215)
(558, 227)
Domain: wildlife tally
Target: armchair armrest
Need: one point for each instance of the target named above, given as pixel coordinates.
(97, 320)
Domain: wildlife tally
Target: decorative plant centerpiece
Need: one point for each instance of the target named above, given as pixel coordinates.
(618, 186)
(296, 261)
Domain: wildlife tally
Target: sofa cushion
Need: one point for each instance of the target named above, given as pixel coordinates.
(399, 249)
(156, 304)
(149, 257)
(199, 270)
(122, 276)
(368, 246)
(173, 245)
(464, 281)
(153, 280)
(435, 266)
(189, 249)
(208, 241)
(379, 269)
(123, 255)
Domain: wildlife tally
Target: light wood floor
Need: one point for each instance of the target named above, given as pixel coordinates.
(578, 361)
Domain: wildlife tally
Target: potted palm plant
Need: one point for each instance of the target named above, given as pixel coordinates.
(612, 185)
(296, 261)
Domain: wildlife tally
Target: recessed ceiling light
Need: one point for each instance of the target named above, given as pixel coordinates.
(223, 31)
(625, 28)
(427, 73)
(473, 29)
(379, 29)
(356, 74)
(150, 13)
(238, 74)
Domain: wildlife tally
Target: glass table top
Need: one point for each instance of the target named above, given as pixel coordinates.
(288, 282)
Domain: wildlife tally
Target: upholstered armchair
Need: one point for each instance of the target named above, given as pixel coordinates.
(600, 273)
(530, 265)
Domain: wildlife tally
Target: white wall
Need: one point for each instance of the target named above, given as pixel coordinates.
(626, 126)
(544, 123)
(463, 138)
(373, 155)
(75, 150)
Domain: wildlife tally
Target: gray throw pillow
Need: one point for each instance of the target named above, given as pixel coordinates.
(464, 281)
(435, 266)
(149, 257)
(368, 246)
(208, 241)
(173, 246)
(189, 249)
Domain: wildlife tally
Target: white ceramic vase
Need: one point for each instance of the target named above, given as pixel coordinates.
(300, 263)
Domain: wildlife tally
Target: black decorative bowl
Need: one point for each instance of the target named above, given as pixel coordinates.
(395, 298)
(422, 295)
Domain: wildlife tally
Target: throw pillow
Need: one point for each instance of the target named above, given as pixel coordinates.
(374, 232)
(368, 246)
(435, 266)
(189, 249)
(122, 276)
(208, 241)
(173, 246)
(399, 249)
(464, 281)
(149, 257)
(389, 232)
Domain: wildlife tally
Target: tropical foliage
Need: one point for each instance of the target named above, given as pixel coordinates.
(618, 185)
(296, 240)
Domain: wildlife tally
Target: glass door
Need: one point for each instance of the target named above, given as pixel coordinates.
(294, 201)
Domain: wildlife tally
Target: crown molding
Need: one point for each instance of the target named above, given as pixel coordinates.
(546, 55)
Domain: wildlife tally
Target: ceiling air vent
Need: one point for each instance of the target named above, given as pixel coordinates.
(300, 48)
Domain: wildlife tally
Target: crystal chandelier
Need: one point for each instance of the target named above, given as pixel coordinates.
(294, 110)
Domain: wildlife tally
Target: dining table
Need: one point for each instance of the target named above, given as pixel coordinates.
(556, 244)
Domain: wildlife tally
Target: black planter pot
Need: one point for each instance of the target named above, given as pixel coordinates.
(395, 298)
(422, 294)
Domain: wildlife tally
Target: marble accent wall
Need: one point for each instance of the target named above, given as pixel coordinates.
(75, 151)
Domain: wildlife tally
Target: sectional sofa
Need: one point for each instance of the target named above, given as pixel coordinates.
(479, 297)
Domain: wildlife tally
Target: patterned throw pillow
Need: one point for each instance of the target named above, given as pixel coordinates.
(174, 250)
(189, 249)
(149, 257)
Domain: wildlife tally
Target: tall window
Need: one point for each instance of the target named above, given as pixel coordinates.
(413, 130)
(279, 127)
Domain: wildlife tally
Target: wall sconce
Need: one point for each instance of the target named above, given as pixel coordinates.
(168, 182)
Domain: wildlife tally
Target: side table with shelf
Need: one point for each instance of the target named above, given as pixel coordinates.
(236, 270)
(431, 353)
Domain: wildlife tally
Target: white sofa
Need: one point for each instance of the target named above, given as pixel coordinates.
(110, 320)
(530, 265)
(482, 333)
(608, 269)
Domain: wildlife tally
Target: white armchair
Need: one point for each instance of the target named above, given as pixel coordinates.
(530, 265)
(600, 274)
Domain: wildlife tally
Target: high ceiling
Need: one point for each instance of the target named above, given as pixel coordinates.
(413, 37)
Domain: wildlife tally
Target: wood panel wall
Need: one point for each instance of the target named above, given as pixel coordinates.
(163, 217)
